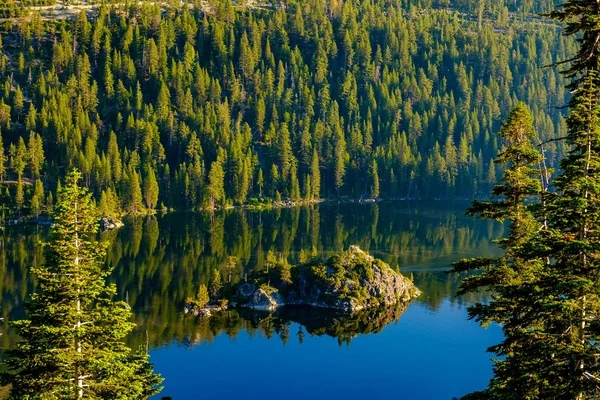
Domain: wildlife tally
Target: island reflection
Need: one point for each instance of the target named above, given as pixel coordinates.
(160, 260)
(312, 321)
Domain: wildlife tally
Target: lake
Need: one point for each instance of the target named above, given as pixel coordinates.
(429, 350)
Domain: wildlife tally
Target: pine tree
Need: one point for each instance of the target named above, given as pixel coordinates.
(491, 175)
(216, 191)
(505, 277)
(260, 181)
(294, 185)
(18, 157)
(215, 283)
(18, 101)
(570, 288)
(133, 200)
(19, 195)
(339, 162)
(2, 161)
(566, 305)
(315, 175)
(284, 270)
(202, 297)
(374, 180)
(37, 200)
(72, 340)
(35, 156)
(150, 189)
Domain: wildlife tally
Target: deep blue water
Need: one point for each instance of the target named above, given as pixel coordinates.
(427, 354)
(431, 352)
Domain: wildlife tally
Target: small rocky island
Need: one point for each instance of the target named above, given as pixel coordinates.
(348, 282)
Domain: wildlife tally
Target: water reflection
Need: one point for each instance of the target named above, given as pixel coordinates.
(311, 321)
(161, 260)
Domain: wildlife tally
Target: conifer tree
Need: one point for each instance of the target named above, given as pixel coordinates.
(37, 200)
(133, 201)
(566, 309)
(202, 297)
(506, 276)
(339, 160)
(35, 155)
(374, 180)
(72, 339)
(2, 161)
(215, 283)
(284, 270)
(216, 192)
(19, 195)
(315, 175)
(18, 157)
(260, 181)
(150, 188)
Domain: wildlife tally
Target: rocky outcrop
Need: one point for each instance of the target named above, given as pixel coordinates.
(353, 281)
(206, 311)
(108, 224)
(261, 298)
(350, 281)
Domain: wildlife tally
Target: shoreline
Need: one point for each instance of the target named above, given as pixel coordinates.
(44, 220)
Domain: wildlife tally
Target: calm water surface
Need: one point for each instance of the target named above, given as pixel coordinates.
(428, 351)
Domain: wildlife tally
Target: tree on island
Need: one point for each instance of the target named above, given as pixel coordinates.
(72, 338)
(284, 270)
(230, 266)
(215, 283)
(202, 298)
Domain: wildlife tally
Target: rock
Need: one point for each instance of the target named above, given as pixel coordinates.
(353, 281)
(245, 290)
(348, 282)
(203, 312)
(264, 299)
(108, 224)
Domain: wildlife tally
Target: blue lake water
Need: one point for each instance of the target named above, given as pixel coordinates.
(427, 354)
(428, 351)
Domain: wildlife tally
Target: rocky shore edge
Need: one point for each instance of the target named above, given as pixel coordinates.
(349, 282)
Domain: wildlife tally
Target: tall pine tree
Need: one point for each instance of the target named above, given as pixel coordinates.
(515, 373)
(72, 339)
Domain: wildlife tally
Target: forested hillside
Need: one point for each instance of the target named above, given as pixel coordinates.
(192, 107)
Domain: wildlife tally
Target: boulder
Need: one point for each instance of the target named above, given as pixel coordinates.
(245, 290)
(264, 299)
(108, 224)
(203, 312)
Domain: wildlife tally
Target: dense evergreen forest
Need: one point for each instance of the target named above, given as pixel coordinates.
(194, 107)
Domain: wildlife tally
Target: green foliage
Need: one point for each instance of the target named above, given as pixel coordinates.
(291, 103)
(150, 189)
(215, 283)
(72, 339)
(202, 297)
(507, 276)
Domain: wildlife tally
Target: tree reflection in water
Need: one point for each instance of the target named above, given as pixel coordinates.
(161, 260)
